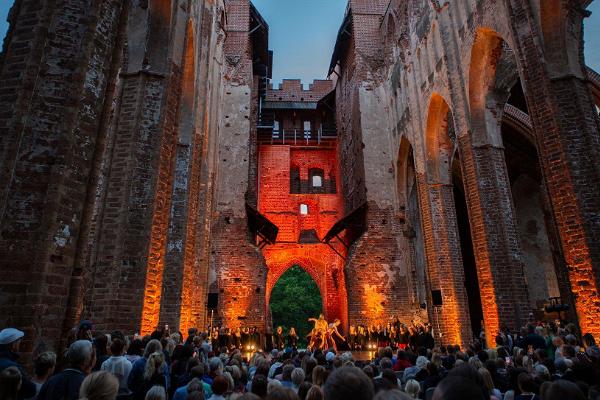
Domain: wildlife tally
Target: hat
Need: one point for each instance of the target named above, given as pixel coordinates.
(85, 324)
(10, 335)
(329, 357)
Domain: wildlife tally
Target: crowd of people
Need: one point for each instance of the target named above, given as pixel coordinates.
(545, 361)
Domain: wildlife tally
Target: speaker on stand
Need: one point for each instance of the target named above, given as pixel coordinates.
(212, 303)
(437, 302)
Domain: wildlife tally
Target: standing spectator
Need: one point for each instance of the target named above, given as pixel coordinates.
(66, 385)
(10, 383)
(118, 365)
(43, 368)
(100, 385)
(10, 339)
(101, 345)
(137, 382)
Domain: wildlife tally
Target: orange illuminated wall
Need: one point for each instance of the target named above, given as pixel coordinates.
(282, 208)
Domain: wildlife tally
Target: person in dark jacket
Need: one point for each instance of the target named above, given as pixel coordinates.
(65, 385)
(10, 340)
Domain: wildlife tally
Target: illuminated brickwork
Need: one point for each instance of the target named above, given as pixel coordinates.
(284, 210)
(133, 147)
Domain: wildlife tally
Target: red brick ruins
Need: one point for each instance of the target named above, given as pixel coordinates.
(446, 172)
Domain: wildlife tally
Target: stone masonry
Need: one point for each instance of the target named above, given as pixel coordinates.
(455, 146)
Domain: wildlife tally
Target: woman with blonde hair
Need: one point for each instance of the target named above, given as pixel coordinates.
(156, 393)
(412, 388)
(315, 393)
(318, 374)
(101, 385)
(489, 384)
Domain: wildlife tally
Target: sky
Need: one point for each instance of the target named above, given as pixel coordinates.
(303, 33)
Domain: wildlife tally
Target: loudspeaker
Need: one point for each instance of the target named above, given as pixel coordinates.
(436, 298)
(213, 300)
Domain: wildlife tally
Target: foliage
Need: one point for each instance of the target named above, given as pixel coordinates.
(294, 299)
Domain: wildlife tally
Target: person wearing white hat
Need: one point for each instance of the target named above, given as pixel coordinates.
(10, 339)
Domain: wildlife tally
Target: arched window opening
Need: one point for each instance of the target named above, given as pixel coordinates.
(303, 209)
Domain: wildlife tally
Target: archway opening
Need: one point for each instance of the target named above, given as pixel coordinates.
(466, 248)
(533, 214)
(295, 298)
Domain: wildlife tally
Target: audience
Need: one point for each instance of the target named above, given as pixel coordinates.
(162, 366)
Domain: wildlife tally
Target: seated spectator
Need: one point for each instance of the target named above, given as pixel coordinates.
(402, 361)
(303, 390)
(348, 383)
(219, 388)
(527, 387)
(458, 388)
(282, 393)
(412, 388)
(562, 390)
(196, 374)
(65, 385)
(156, 393)
(297, 378)
(259, 385)
(286, 376)
(394, 394)
(315, 393)
(100, 385)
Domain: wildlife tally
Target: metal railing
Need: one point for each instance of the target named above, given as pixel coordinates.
(298, 136)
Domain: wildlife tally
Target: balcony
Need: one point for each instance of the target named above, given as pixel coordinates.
(297, 137)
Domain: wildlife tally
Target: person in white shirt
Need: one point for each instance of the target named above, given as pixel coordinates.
(118, 365)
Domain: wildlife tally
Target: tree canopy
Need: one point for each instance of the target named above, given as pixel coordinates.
(294, 299)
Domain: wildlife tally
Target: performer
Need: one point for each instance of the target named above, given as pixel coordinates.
(245, 337)
(292, 339)
(237, 338)
(352, 337)
(269, 339)
(318, 335)
(279, 340)
(332, 335)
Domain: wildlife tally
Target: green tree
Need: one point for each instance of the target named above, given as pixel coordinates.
(294, 299)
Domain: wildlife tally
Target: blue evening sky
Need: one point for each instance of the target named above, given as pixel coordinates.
(303, 32)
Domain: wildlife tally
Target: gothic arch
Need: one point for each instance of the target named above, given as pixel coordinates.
(276, 270)
(562, 31)
(438, 145)
(410, 214)
(485, 56)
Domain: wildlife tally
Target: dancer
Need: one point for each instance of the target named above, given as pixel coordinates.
(332, 333)
(318, 333)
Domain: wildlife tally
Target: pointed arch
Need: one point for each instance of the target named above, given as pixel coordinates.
(438, 145)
